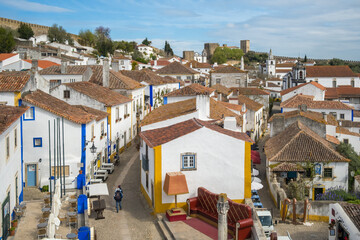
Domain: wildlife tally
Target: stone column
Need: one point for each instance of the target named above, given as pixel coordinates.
(222, 208)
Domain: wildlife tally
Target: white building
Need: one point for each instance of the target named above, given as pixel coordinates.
(346, 94)
(121, 63)
(189, 146)
(188, 92)
(119, 108)
(344, 221)
(11, 177)
(180, 72)
(25, 64)
(146, 50)
(310, 89)
(332, 76)
(8, 58)
(83, 127)
(350, 137)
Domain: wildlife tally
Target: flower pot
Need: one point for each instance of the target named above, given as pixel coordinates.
(12, 231)
(14, 224)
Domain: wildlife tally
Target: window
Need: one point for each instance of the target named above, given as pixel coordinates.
(188, 161)
(54, 170)
(92, 132)
(134, 129)
(352, 83)
(218, 80)
(309, 172)
(15, 138)
(237, 81)
(122, 62)
(342, 116)
(102, 128)
(300, 75)
(188, 77)
(30, 114)
(66, 93)
(334, 114)
(328, 172)
(134, 106)
(316, 80)
(126, 109)
(346, 140)
(54, 83)
(334, 83)
(178, 77)
(117, 113)
(7, 147)
(37, 142)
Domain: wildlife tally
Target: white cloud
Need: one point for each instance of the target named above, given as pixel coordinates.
(33, 6)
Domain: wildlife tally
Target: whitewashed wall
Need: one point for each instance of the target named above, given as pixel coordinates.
(347, 113)
(308, 89)
(328, 81)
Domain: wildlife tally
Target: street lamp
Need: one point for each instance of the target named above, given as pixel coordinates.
(93, 148)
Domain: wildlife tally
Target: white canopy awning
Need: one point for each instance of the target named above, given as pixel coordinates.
(98, 189)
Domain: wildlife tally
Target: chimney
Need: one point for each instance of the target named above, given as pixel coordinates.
(325, 117)
(230, 123)
(106, 72)
(34, 65)
(219, 97)
(203, 106)
(242, 67)
(115, 66)
(63, 68)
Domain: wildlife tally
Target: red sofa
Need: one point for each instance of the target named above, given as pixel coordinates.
(239, 215)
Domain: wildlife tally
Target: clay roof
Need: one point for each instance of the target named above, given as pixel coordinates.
(342, 92)
(288, 167)
(145, 75)
(13, 81)
(356, 113)
(332, 139)
(270, 84)
(302, 85)
(70, 70)
(120, 57)
(176, 68)
(297, 100)
(160, 136)
(228, 69)
(283, 70)
(329, 71)
(173, 80)
(297, 143)
(9, 114)
(99, 93)
(221, 89)
(43, 63)
(99, 114)
(160, 62)
(353, 212)
(250, 104)
(249, 91)
(4, 56)
(232, 106)
(172, 110)
(350, 124)
(346, 131)
(315, 116)
(285, 65)
(58, 107)
(191, 90)
(196, 64)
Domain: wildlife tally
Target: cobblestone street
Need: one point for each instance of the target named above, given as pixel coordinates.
(135, 220)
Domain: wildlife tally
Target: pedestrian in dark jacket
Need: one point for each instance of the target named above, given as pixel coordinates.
(118, 196)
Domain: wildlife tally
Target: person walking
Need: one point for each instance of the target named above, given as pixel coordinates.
(118, 196)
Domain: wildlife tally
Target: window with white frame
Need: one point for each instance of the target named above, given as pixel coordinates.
(29, 114)
(342, 116)
(188, 161)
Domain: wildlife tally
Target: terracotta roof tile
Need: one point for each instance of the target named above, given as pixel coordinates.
(4, 56)
(346, 131)
(160, 62)
(329, 71)
(349, 124)
(218, 111)
(232, 106)
(70, 70)
(176, 68)
(332, 139)
(120, 57)
(145, 75)
(173, 80)
(283, 70)
(357, 113)
(99, 93)
(342, 92)
(302, 85)
(191, 90)
(99, 114)
(297, 100)
(297, 143)
(196, 64)
(315, 116)
(249, 91)
(285, 65)
(43, 63)
(58, 107)
(228, 69)
(250, 104)
(13, 81)
(353, 212)
(288, 167)
(221, 89)
(9, 114)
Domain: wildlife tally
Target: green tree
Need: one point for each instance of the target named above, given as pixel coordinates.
(168, 50)
(57, 34)
(25, 31)
(104, 44)
(87, 38)
(7, 42)
(133, 66)
(146, 42)
(305, 58)
(222, 54)
(138, 56)
(354, 165)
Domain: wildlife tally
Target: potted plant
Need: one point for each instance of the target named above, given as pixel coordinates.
(14, 223)
(12, 231)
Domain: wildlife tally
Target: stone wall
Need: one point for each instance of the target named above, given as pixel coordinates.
(229, 79)
(188, 55)
(210, 49)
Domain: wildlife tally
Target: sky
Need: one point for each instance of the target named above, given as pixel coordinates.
(317, 28)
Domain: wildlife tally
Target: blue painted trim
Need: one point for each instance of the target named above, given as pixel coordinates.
(20, 103)
(21, 196)
(39, 138)
(182, 162)
(33, 118)
(83, 149)
(352, 115)
(179, 85)
(282, 110)
(108, 140)
(165, 100)
(151, 95)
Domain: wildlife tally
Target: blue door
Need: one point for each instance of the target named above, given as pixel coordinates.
(31, 175)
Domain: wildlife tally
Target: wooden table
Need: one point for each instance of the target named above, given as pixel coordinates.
(99, 206)
(42, 225)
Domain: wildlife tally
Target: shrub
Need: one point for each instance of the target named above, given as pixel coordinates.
(337, 194)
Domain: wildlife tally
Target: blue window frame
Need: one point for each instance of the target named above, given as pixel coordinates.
(188, 161)
(29, 115)
(37, 142)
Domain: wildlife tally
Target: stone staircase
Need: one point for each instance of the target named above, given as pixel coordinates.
(33, 193)
(164, 228)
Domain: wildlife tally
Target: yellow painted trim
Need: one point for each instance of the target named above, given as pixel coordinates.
(247, 170)
(108, 110)
(238, 200)
(147, 198)
(271, 195)
(157, 179)
(112, 156)
(313, 191)
(17, 96)
(316, 218)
